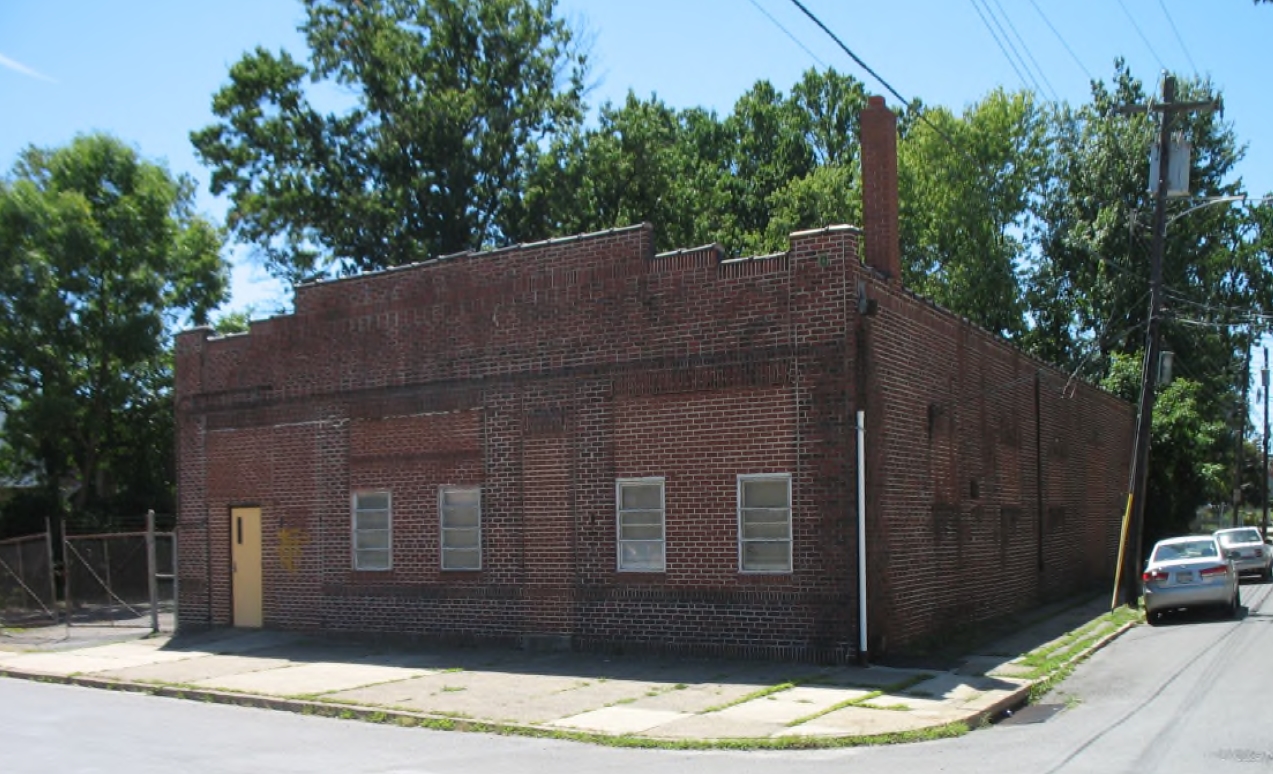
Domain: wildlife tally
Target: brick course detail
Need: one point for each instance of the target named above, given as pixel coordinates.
(542, 373)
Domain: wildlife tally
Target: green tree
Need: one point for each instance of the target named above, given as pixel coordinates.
(776, 164)
(452, 100)
(1088, 284)
(101, 254)
(642, 162)
(967, 187)
(1187, 465)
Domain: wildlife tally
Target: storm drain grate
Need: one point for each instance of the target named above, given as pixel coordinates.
(1035, 713)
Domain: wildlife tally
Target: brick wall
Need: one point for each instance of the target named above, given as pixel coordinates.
(545, 372)
(997, 481)
(541, 373)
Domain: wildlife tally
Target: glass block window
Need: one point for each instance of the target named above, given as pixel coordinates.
(640, 525)
(764, 523)
(373, 533)
(460, 511)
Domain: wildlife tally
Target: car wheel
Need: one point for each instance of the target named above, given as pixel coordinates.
(1153, 617)
(1267, 575)
(1232, 611)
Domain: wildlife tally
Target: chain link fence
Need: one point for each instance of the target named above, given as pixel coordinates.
(124, 578)
(28, 594)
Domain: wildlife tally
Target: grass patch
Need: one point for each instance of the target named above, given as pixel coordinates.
(760, 694)
(863, 701)
(1059, 662)
(575, 687)
(453, 688)
(794, 742)
(945, 649)
(1056, 655)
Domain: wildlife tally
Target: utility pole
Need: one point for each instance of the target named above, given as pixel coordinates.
(1127, 590)
(1241, 417)
(1264, 469)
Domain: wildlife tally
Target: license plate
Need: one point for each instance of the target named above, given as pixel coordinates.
(1184, 577)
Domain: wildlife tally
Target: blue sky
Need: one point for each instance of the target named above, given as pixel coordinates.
(145, 70)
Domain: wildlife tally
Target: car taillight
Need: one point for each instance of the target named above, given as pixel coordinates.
(1154, 575)
(1219, 569)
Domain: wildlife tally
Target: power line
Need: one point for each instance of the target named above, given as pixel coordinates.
(1026, 49)
(1061, 38)
(921, 114)
(1179, 39)
(789, 34)
(1024, 81)
(1136, 26)
(852, 55)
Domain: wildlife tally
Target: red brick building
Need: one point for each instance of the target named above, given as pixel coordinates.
(581, 441)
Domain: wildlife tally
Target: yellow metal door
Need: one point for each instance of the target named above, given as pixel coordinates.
(245, 565)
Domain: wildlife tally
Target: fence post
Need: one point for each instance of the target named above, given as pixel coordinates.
(48, 547)
(106, 571)
(66, 573)
(151, 570)
(176, 580)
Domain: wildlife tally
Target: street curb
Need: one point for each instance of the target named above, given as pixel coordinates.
(391, 716)
(381, 715)
(1021, 696)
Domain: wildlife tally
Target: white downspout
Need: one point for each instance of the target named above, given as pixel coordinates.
(861, 466)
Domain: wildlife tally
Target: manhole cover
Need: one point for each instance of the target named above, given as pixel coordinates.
(1035, 713)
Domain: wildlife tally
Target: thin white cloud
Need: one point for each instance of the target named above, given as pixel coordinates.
(18, 66)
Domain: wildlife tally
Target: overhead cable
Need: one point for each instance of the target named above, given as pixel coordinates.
(1179, 39)
(1136, 26)
(789, 34)
(1065, 44)
(1026, 82)
(1026, 48)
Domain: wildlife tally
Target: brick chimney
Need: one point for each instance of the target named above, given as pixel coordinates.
(878, 127)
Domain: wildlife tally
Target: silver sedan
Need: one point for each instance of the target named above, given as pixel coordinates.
(1249, 552)
(1189, 572)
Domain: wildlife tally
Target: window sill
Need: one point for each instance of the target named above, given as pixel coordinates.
(477, 574)
(782, 578)
(639, 576)
(370, 576)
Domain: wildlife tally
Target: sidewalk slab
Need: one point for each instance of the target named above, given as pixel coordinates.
(309, 679)
(620, 720)
(861, 721)
(787, 706)
(106, 657)
(694, 699)
(194, 670)
(704, 702)
(713, 726)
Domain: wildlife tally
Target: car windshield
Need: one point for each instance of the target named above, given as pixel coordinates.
(1237, 536)
(1193, 549)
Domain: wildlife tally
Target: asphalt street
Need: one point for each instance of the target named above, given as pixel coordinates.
(1186, 697)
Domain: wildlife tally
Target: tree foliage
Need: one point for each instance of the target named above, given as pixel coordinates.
(968, 186)
(1087, 288)
(100, 254)
(451, 99)
(464, 129)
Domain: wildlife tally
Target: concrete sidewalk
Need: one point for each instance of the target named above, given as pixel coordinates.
(617, 700)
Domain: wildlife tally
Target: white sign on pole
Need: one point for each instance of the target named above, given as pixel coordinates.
(1177, 170)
